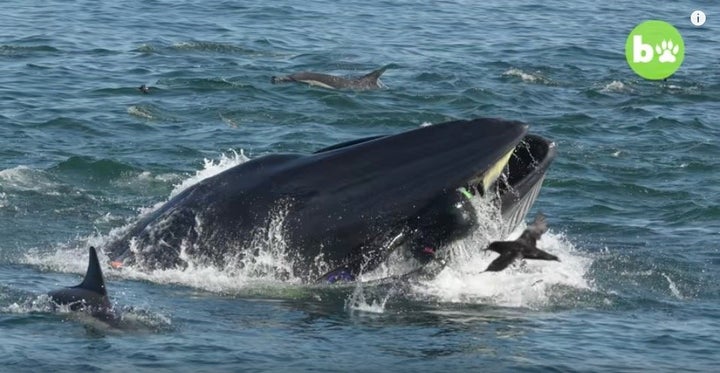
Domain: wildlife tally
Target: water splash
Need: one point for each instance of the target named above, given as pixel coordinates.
(141, 111)
(129, 318)
(23, 178)
(264, 260)
(525, 284)
(673, 287)
(364, 299)
(211, 168)
(42, 303)
(616, 86)
(527, 77)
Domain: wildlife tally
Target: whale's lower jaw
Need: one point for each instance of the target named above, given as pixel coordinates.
(524, 177)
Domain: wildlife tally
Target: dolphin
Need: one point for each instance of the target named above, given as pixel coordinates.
(346, 207)
(90, 296)
(522, 248)
(368, 81)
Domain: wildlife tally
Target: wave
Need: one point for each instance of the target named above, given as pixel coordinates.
(198, 46)
(131, 319)
(202, 83)
(23, 51)
(99, 169)
(212, 46)
(69, 124)
(23, 178)
(152, 113)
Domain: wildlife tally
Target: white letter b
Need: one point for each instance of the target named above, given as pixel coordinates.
(641, 52)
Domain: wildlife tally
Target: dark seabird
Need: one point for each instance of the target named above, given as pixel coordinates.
(144, 89)
(522, 248)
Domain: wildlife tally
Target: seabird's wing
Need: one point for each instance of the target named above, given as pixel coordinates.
(533, 232)
(501, 247)
(504, 260)
(508, 250)
(535, 253)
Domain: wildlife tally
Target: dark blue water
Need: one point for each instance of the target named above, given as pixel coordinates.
(632, 197)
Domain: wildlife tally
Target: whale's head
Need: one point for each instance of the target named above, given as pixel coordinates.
(351, 203)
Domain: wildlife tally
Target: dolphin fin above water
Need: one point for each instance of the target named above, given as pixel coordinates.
(374, 76)
(90, 295)
(93, 280)
(367, 81)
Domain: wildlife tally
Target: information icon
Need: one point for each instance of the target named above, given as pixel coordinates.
(697, 18)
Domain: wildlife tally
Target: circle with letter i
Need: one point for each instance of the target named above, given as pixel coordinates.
(654, 50)
(698, 18)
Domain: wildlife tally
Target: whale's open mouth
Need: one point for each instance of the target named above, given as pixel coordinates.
(486, 181)
(520, 182)
(512, 184)
(516, 178)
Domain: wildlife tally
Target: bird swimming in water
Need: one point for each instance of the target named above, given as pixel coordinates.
(522, 248)
(144, 89)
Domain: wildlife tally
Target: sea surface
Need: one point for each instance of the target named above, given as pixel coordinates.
(632, 197)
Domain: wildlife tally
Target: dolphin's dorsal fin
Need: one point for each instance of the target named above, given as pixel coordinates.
(93, 280)
(375, 75)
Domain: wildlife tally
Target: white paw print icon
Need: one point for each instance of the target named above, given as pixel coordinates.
(667, 51)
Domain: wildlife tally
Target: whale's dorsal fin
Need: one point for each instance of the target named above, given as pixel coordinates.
(93, 280)
(375, 75)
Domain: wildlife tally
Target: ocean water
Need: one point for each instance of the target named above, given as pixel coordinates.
(632, 197)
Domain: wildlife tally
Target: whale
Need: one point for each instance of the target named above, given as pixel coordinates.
(365, 82)
(524, 247)
(90, 296)
(342, 210)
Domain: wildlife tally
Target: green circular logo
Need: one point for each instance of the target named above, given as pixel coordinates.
(654, 50)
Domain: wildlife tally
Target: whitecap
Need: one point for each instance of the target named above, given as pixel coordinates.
(24, 178)
(140, 111)
(212, 168)
(525, 76)
(364, 300)
(673, 287)
(616, 86)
